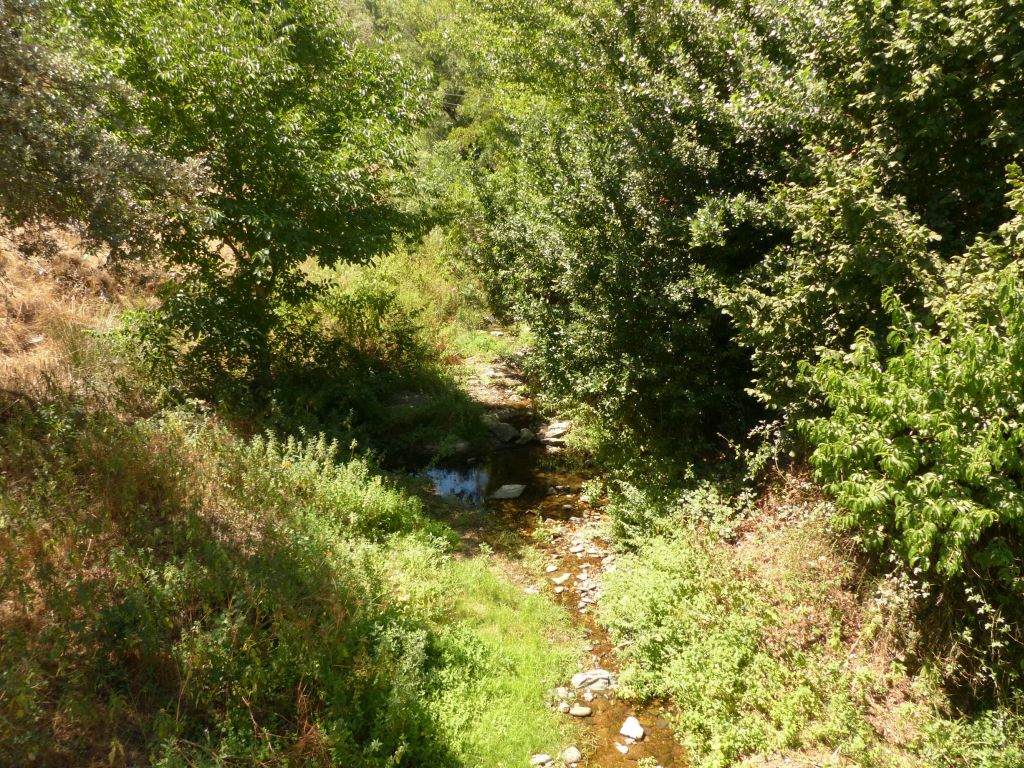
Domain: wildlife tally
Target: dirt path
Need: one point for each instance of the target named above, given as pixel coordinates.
(575, 558)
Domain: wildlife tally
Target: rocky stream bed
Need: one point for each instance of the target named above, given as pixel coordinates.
(517, 487)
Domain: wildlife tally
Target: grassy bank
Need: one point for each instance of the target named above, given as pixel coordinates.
(177, 593)
(776, 639)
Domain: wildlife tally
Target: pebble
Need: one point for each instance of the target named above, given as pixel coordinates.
(540, 759)
(563, 707)
(562, 692)
(632, 729)
(531, 591)
(562, 579)
(588, 695)
(621, 747)
(559, 590)
(579, 710)
(572, 755)
(551, 569)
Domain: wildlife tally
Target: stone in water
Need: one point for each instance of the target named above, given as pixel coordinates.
(632, 729)
(511, 491)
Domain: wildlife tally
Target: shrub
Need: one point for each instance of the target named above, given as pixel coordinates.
(302, 126)
(923, 451)
(68, 153)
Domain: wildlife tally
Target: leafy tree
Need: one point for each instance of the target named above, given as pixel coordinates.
(302, 127)
(938, 86)
(66, 154)
(621, 163)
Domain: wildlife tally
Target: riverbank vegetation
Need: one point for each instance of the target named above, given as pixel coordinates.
(766, 255)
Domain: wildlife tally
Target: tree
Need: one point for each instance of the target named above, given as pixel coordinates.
(61, 158)
(302, 128)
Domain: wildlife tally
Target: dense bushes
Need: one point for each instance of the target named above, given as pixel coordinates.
(923, 448)
(62, 156)
(684, 199)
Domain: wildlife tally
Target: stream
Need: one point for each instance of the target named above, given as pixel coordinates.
(575, 558)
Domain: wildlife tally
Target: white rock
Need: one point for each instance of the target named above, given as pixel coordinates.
(551, 569)
(580, 711)
(511, 491)
(563, 707)
(562, 579)
(632, 729)
(540, 759)
(505, 432)
(621, 747)
(572, 755)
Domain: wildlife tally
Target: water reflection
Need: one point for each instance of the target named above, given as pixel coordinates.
(467, 484)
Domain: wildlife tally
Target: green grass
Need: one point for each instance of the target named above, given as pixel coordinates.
(524, 650)
(177, 595)
(767, 648)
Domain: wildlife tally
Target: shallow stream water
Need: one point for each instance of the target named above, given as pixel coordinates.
(552, 497)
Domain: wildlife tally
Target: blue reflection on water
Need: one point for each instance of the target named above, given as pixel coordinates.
(467, 484)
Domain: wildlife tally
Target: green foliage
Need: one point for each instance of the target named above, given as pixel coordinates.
(694, 627)
(936, 84)
(850, 242)
(175, 596)
(994, 740)
(923, 451)
(301, 127)
(626, 173)
(67, 154)
(606, 149)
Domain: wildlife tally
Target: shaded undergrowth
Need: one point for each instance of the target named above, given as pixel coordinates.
(175, 594)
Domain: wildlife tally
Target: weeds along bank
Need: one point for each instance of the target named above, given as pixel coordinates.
(778, 641)
(175, 594)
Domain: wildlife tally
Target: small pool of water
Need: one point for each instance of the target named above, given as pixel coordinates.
(470, 484)
(467, 484)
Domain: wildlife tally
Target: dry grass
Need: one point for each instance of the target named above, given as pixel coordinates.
(832, 599)
(51, 286)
